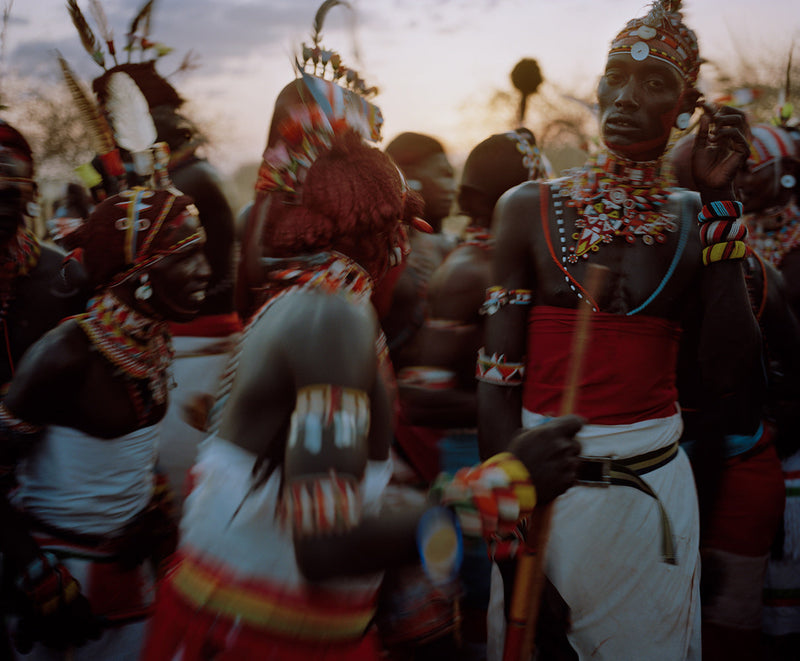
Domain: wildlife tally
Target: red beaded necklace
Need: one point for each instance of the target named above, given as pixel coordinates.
(615, 197)
(141, 347)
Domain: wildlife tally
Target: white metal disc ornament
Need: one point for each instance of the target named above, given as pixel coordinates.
(640, 51)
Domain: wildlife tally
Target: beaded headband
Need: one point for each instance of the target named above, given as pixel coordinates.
(768, 144)
(663, 36)
(337, 102)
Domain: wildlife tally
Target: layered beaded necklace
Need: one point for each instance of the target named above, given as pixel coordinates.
(773, 245)
(141, 347)
(616, 197)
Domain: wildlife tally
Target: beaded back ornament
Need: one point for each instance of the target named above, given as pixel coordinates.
(337, 102)
(662, 35)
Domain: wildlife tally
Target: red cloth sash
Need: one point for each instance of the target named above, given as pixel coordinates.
(628, 370)
(199, 633)
(213, 325)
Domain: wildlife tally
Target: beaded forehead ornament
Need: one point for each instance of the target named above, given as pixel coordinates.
(338, 102)
(661, 35)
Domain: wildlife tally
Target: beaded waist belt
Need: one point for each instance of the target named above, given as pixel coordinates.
(627, 472)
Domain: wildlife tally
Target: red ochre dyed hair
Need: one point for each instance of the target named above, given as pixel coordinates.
(351, 201)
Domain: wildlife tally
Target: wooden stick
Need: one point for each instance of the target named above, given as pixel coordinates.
(529, 579)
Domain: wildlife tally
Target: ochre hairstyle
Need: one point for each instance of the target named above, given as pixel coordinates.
(352, 199)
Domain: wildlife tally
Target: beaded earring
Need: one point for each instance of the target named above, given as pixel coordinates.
(144, 290)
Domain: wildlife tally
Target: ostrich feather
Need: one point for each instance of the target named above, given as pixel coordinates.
(106, 33)
(88, 39)
(97, 127)
(130, 115)
(319, 17)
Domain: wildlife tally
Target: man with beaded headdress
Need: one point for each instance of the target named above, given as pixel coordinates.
(286, 533)
(203, 344)
(738, 533)
(771, 197)
(79, 425)
(623, 546)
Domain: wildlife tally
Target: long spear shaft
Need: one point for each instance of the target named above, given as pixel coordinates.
(529, 579)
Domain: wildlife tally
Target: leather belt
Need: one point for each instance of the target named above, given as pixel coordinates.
(605, 471)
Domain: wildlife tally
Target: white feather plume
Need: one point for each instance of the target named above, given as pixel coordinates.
(130, 114)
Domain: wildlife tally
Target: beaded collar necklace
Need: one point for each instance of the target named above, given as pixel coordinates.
(475, 235)
(141, 347)
(616, 197)
(775, 244)
(20, 258)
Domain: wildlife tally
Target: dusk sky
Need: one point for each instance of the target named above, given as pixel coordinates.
(436, 62)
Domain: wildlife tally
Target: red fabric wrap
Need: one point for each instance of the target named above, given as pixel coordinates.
(420, 445)
(213, 325)
(628, 371)
(750, 502)
(179, 630)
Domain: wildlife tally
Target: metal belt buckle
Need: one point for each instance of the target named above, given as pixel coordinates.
(595, 471)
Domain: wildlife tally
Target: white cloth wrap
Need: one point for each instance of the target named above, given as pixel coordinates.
(604, 552)
(254, 543)
(88, 485)
(197, 369)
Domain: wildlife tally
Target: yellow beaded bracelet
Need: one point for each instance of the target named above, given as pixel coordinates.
(718, 252)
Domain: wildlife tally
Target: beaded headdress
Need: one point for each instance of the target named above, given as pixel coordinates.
(661, 35)
(334, 98)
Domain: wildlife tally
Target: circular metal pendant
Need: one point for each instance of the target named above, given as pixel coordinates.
(646, 32)
(640, 51)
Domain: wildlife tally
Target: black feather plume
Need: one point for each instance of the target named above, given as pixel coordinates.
(142, 15)
(319, 18)
(88, 39)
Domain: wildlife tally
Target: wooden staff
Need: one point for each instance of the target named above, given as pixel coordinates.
(529, 580)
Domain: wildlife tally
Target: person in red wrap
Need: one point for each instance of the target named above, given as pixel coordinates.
(623, 547)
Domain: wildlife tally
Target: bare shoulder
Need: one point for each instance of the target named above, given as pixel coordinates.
(59, 359)
(517, 204)
(316, 336)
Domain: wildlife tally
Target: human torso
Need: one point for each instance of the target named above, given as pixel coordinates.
(642, 278)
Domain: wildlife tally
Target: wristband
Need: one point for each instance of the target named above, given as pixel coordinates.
(720, 209)
(719, 231)
(722, 251)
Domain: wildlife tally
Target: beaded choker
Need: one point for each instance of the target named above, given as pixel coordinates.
(139, 346)
(615, 197)
(329, 271)
(775, 244)
(20, 258)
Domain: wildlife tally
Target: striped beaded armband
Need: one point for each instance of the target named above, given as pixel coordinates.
(720, 209)
(719, 231)
(497, 297)
(726, 250)
(494, 369)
